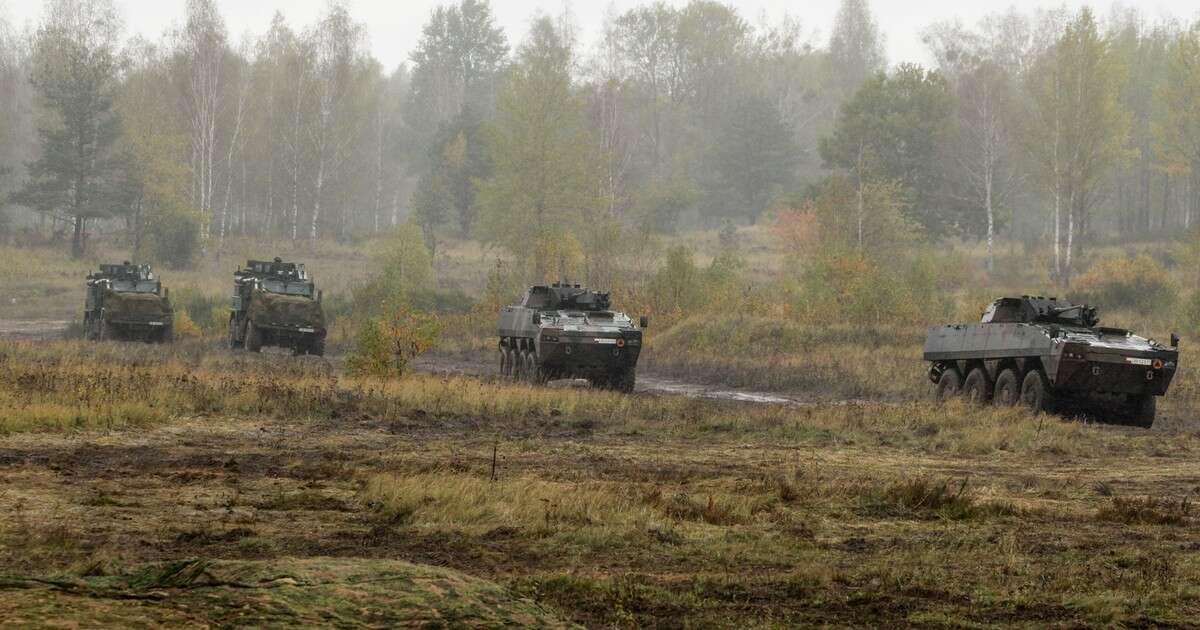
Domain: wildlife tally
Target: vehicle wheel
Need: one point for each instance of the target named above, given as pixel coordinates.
(1143, 409)
(541, 375)
(1008, 389)
(948, 384)
(317, 347)
(625, 380)
(88, 335)
(253, 337)
(531, 367)
(167, 335)
(518, 365)
(1035, 393)
(976, 389)
(104, 333)
(234, 343)
(503, 362)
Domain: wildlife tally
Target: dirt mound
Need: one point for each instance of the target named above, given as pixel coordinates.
(283, 593)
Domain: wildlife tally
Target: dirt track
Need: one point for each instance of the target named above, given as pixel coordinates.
(438, 364)
(32, 329)
(28, 330)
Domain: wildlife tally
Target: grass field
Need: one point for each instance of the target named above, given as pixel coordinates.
(189, 485)
(180, 485)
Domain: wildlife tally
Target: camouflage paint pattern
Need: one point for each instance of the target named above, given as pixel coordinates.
(274, 309)
(122, 306)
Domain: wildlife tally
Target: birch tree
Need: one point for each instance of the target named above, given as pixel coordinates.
(1076, 130)
(338, 71)
(855, 47)
(1179, 133)
(980, 156)
(201, 50)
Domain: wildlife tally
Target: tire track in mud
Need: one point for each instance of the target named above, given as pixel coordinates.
(647, 384)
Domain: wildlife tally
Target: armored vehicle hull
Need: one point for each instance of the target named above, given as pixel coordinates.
(1049, 355)
(566, 331)
(126, 302)
(275, 304)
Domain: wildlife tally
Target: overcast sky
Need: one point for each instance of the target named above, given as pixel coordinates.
(395, 25)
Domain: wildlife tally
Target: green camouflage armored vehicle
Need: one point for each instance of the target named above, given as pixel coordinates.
(127, 302)
(276, 304)
(1047, 355)
(565, 331)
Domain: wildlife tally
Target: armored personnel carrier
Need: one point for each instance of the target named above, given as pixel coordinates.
(276, 304)
(127, 302)
(1046, 354)
(567, 331)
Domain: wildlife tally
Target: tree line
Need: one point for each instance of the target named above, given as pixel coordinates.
(1053, 127)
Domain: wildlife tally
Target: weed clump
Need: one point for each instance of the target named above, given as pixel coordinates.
(923, 497)
(1145, 510)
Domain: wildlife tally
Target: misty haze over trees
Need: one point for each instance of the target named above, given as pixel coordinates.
(1053, 129)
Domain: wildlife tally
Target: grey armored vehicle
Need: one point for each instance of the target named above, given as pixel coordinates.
(127, 302)
(565, 331)
(1047, 354)
(276, 304)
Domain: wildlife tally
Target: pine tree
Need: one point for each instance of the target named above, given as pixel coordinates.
(75, 74)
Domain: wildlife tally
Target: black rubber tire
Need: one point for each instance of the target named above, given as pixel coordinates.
(167, 335)
(1035, 393)
(253, 337)
(234, 343)
(531, 368)
(511, 368)
(1142, 410)
(317, 347)
(949, 385)
(518, 372)
(541, 375)
(1007, 392)
(503, 362)
(977, 389)
(625, 380)
(104, 333)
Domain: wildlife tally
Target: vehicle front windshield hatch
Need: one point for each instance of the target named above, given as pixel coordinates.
(287, 288)
(131, 286)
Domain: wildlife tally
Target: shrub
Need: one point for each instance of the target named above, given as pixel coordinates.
(797, 229)
(387, 344)
(405, 265)
(207, 312)
(1139, 283)
(1191, 313)
(185, 327)
(844, 286)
